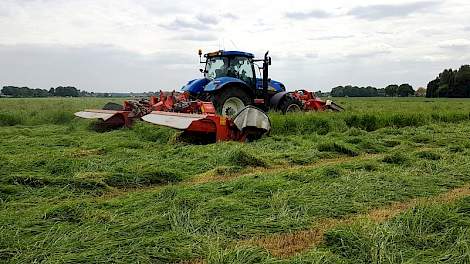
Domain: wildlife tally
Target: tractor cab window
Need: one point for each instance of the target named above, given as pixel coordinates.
(241, 68)
(236, 67)
(216, 67)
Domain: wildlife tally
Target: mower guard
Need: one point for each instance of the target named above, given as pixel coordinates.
(247, 122)
(179, 121)
(96, 114)
(252, 117)
(333, 106)
(110, 117)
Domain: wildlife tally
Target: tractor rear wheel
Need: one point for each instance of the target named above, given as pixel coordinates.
(290, 104)
(231, 100)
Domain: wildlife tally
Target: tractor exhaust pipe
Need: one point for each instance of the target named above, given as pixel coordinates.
(266, 63)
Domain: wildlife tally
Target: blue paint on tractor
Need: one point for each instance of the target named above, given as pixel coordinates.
(272, 85)
(200, 87)
(196, 86)
(221, 82)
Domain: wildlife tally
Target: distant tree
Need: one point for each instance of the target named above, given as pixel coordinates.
(23, 92)
(405, 90)
(451, 83)
(381, 92)
(337, 91)
(66, 91)
(391, 90)
(432, 88)
(420, 92)
(14, 91)
(461, 83)
(354, 91)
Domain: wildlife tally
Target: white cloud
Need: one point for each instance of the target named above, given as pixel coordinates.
(312, 43)
(455, 44)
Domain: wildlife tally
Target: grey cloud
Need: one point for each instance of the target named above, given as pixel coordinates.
(207, 19)
(455, 44)
(230, 16)
(99, 68)
(180, 24)
(466, 28)
(306, 15)
(109, 69)
(367, 54)
(163, 7)
(332, 37)
(323, 73)
(6, 9)
(375, 12)
(195, 37)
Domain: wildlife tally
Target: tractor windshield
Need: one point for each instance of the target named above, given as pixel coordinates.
(216, 67)
(236, 67)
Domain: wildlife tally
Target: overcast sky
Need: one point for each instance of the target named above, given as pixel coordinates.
(147, 45)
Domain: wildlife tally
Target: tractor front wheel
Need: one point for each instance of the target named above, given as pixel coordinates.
(231, 100)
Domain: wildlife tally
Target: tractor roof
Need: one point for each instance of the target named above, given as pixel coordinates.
(230, 53)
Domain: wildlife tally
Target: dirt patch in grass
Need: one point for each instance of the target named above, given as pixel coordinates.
(288, 244)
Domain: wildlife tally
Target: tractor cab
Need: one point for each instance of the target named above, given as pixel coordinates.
(230, 81)
(234, 64)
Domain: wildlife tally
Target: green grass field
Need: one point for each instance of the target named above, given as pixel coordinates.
(386, 181)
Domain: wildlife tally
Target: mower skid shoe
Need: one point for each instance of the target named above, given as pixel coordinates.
(333, 106)
(252, 118)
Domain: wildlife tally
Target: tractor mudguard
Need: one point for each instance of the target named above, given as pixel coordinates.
(276, 99)
(222, 82)
(195, 86)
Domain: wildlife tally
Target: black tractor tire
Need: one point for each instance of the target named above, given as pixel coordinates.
(220, 97)
(290, 104)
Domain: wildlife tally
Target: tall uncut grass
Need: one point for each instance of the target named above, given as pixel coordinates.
(373, 114)
(38, 111)
(362, 113)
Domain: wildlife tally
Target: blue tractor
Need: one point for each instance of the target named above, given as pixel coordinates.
(230, 83)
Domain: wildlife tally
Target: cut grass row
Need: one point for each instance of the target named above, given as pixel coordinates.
(426, 233)
(68, 194)
(184, 222)
(289, 244)
(82, 161)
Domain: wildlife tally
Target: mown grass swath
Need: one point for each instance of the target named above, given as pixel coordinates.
(70, 194)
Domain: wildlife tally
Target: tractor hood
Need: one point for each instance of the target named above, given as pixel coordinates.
(196, 86)
(272, 86)
(220, 82)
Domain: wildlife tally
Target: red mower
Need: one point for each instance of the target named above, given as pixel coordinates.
(228, 103)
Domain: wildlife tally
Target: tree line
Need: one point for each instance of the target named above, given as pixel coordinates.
(63, 91)
(451, 83)
(402, 90)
